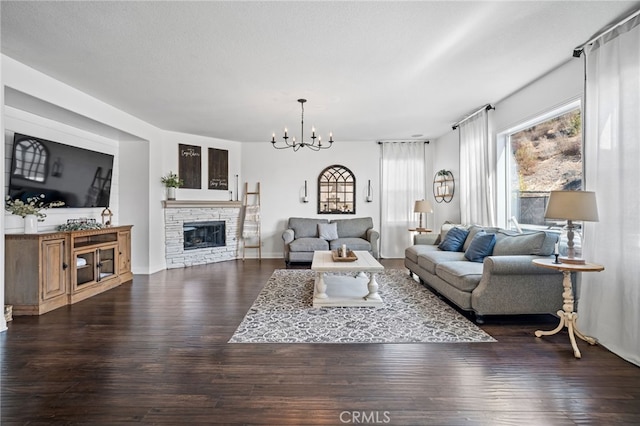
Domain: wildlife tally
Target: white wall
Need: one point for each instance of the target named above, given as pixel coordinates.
(282, 173)
(446, 155)
(3, 323)
(551, 90)
(560, 86)
(171, 140)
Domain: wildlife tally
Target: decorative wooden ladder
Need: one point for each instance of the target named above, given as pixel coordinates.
(251, 221)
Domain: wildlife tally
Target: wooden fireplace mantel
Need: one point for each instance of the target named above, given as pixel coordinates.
(181, 204)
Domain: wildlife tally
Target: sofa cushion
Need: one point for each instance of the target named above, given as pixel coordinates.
(328, 231)
(351, 243)
(454, 240)
(481, 246)
(353, 228)
(308, 244)
(463, 275)
(303, 227)
(413, 252)
(537, 243)
(429, 261)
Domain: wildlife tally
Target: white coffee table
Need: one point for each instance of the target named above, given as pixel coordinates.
(346, 290)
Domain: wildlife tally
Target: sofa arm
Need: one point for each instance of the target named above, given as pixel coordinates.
(288, 236)
(512, 285)
(372, 237)
(515, 265)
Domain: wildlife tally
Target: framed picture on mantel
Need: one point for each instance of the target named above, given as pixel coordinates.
(218, 169)
(190, 166)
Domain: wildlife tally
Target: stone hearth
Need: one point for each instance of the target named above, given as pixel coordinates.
(176, 213)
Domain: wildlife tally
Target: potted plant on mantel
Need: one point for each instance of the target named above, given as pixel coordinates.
(171, 181)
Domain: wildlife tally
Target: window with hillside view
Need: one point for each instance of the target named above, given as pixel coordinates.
(545, 156)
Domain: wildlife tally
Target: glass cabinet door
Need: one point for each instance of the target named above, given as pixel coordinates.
(85, 267)
(106, 262)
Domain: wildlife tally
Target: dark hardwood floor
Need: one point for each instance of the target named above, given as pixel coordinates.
(154, 351)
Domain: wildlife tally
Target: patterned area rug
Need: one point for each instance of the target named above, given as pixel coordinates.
(283, 313)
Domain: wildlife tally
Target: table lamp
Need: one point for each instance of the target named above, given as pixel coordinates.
(422, 206)
(570, 206)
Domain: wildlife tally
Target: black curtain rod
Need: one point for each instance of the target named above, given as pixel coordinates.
(398, 141)
(578, 50)
(487, 107)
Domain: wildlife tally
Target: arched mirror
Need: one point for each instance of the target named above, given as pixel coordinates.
(30, 160)
(336, 191)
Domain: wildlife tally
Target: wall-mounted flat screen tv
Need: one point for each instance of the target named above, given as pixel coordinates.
(76, 176)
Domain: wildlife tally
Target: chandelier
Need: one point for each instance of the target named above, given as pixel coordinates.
(297, 145)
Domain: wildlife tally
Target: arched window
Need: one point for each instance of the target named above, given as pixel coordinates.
(336, 191)
(30, 160)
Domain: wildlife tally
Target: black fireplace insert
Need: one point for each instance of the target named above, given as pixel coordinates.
(199, 235)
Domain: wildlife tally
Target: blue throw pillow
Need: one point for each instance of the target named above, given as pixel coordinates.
(454, 240)
(481, 246)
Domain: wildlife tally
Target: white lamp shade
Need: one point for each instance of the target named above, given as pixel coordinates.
(422, 206)
(572, 205)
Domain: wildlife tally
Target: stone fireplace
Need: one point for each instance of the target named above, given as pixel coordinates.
(200, 232)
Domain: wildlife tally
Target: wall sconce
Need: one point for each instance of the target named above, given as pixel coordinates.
(369, 195)
(305, 198)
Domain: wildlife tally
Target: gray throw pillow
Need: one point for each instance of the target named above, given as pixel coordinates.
(328, 231)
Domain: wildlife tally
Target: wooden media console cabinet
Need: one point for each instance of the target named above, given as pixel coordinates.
(47, 270)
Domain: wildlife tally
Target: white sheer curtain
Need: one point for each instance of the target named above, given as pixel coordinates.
(609, 307)
(403, 182)
(477, 171)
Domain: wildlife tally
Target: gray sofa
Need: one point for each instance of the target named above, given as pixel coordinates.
(303, 236)
(505, 283)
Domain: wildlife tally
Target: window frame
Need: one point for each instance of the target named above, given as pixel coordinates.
(504, 160)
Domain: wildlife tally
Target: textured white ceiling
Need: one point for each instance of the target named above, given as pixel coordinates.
(234, 70)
